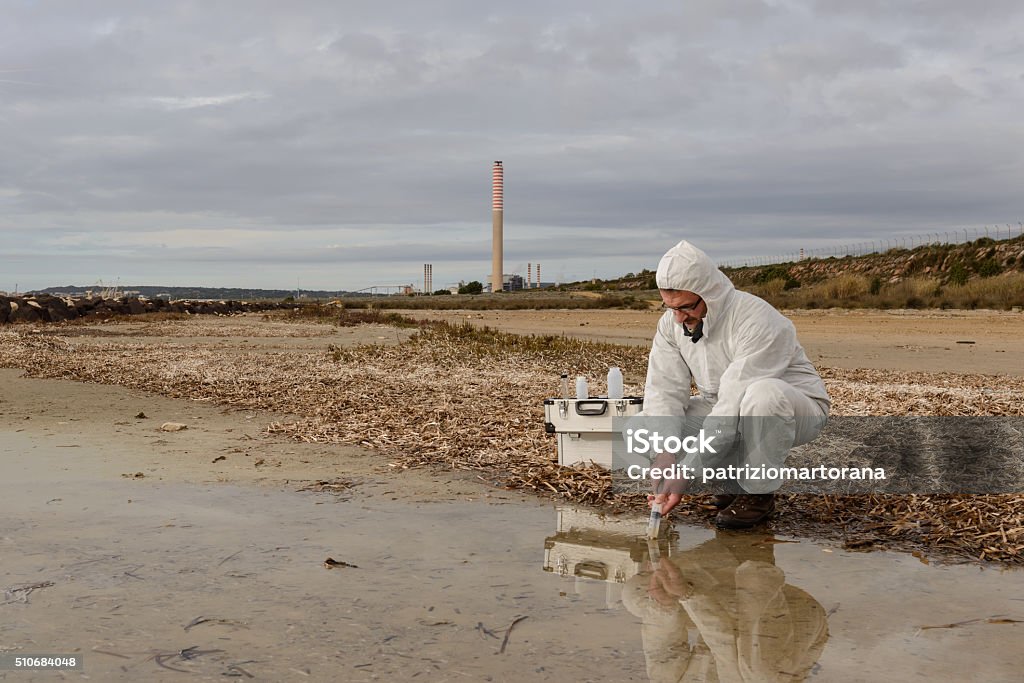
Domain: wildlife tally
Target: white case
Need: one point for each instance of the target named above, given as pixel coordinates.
(590, 546)
(583, 427)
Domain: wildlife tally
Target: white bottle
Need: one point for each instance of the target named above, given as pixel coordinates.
(615, 389)
(581, 388)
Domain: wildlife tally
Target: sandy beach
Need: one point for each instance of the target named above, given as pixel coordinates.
(130, 545)
(902, 340)
(103, 415)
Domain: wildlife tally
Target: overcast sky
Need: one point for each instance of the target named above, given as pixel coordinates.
(341, 144)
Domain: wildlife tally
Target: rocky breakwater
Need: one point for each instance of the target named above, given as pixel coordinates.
(44, 308)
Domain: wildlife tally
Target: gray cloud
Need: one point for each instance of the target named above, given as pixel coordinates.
(260, 134)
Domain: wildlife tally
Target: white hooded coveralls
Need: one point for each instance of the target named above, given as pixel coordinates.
(751, 625)
(748, 363)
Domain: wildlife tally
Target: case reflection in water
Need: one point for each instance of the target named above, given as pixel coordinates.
(720, 610)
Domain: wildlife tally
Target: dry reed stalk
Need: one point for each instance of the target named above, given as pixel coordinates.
(471, 399)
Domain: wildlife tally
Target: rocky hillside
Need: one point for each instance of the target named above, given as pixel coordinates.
(949, 263)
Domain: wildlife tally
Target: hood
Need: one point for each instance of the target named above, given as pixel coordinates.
(686, 267)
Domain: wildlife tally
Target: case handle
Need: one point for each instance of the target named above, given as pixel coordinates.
(591, 569)
(591, 407)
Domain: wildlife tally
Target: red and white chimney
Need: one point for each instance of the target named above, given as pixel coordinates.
(497, 226)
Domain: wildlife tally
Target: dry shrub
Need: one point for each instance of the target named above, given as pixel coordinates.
(503, 302)
(769, 290)
(847, 286)
(922, 287)
(1003, 291)
(914, 292)
(472, 400)
(343, 316)
(846, 290)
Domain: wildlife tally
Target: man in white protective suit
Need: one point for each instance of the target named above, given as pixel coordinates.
(723, 612)
(755, 385)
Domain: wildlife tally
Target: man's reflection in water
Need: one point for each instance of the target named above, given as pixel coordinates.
(749, 624)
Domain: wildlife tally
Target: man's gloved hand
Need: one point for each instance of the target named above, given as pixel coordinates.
(667, 585)
(667, 492)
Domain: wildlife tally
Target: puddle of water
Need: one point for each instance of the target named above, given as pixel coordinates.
(727, 606)
(134, 563)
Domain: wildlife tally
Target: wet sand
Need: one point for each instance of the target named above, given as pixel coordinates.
(219, 444)
(143, 570)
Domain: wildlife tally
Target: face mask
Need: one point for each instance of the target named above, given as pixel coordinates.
(697, 333)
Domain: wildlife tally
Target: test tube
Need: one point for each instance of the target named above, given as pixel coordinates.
(654, 553)
(654, 524)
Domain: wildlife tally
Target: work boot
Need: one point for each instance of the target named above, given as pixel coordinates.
(746, 511)
(723, 500)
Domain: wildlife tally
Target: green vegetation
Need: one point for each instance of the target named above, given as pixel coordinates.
(374, 309)
(636, 282)
(776, 272)
(346, 317)
(514, 301)
(989, 268)
(473, 287)
(958, 274)
(466, 343)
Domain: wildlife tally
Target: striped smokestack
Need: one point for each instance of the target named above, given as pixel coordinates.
(497, 226)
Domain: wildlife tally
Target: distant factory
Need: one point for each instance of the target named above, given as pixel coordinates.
(514, 282)
(497, 279)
